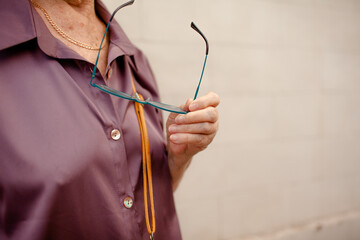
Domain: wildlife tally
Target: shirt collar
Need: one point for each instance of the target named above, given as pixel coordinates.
(117, 35)
(17, 23)
(21, 25)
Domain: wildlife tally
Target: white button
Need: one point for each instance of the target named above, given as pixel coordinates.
(128, 202)
(115, 134)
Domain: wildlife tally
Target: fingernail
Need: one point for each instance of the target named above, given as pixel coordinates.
(174, 137)
(193, 106)
(172, 129)
(180, 119)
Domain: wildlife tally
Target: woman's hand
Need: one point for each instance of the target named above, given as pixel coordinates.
(190, 133)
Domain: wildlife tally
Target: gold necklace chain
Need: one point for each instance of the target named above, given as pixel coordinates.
(61, 32)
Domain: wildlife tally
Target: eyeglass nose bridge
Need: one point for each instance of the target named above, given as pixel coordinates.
(138, 98)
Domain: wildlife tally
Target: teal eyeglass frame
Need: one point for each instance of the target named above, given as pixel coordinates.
(162, 106)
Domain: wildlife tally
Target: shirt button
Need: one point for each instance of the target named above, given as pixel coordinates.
(115, 134)
(128, 202)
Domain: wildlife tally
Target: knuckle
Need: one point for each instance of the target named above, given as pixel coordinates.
(212, 114)
(204, 141)
(215, 96)
(208, 128)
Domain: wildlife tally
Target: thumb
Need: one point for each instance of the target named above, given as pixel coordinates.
(187, 104)
(172, 116)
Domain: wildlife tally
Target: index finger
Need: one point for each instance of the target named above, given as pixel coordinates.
(209, 100)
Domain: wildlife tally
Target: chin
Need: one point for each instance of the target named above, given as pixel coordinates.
(75, 2)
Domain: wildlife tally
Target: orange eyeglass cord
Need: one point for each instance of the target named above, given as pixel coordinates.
(146, 160)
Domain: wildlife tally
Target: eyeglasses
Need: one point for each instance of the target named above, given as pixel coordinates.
(135, 97)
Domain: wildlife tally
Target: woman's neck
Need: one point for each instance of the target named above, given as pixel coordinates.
(78, 19)
(71, 15)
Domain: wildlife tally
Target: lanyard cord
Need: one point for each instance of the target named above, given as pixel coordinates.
(146, 160)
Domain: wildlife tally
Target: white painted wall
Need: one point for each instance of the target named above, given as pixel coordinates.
(286, 162)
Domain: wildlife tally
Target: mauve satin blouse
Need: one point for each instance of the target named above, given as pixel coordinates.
(62, 173)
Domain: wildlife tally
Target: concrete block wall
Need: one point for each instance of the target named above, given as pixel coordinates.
(286, 161)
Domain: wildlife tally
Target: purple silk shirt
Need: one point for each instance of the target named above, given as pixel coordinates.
(62, 174)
